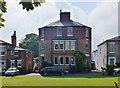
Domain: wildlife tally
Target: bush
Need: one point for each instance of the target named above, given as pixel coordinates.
(110, 69)
(22, 70)
(45, 64)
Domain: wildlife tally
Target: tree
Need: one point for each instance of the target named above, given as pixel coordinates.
(26, 4)
(30, 42)
(80, 59)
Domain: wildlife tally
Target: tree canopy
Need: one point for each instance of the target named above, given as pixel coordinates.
(26, 4)
(30, 42)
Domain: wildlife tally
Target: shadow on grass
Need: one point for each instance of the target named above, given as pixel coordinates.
(84, 76)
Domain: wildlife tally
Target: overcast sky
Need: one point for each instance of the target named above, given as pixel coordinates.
(101, 15)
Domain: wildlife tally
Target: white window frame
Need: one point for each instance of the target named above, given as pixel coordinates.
(54, 60)
(59, 28)
(68, 59)
(87, 32)
(12, 53)
(18, 64)
(42, 32)
(60, 61)
(42, 47)
(16, 55)
(73, 46)
(56, 42)
(69, 28)
(67, 45)
(112, 58)
(62, 42)
(13, 62)
(110, 47)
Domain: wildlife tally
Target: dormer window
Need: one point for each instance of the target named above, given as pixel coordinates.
(69, 31)
(59, 31)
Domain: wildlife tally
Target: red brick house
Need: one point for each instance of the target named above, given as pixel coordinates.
(59, 40)
(18, 57)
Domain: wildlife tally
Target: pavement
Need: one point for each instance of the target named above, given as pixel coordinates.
(93, 72)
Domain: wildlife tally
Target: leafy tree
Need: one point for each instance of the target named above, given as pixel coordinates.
(80, 59)
(31, 43)
(26, 4)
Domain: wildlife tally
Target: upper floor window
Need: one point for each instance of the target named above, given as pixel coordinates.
(72, 45)
(67, 45)
(56, 45)
(16, 53)
(59, 31)
(87, 44)
(61, 45)
(42, 32)
(42, 43)
(69, 31)
(112, 47)
(87, 32)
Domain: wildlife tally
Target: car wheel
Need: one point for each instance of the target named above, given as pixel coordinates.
(45, 74)
(62, 74)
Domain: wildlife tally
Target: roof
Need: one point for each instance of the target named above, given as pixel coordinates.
(68, 23)
(117, 38)
(19, 49)
(3, 42)
(65, 38)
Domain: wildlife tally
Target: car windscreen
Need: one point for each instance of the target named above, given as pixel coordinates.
(11, 69)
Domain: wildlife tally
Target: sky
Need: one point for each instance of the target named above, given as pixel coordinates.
(100, 15)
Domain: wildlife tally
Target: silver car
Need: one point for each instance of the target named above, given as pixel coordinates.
(12, 71)
(117, 70)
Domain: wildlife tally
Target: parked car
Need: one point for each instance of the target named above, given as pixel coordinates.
(2, 72)
(12, 71)
(117, 70)
(52, 71)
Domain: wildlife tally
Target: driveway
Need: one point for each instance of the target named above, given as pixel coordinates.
(31, 74)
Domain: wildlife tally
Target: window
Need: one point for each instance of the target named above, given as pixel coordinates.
(72, 45)
(42, 32)
(87, 32)
(61, 61)
(55, 60)
(42, 43)
(56, 45)
(2, 53)
(72, 61)
(67, 45)
(19, 63)
(112, 47)
(61, 45)
(112, 60)
(12, 63)
(59, 31)
(87, 44)
(11, 52)
(67, 60)
(69, 31)
(16, 53)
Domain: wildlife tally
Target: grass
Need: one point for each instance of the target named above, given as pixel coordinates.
(69, 80)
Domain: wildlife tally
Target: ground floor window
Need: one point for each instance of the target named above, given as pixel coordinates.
(112, 60)
(72, 60)
(19, 63)
(12, 63)
(61, 60)
(55, 60)
(67, 60)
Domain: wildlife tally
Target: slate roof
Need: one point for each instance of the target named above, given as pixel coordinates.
(65, 38)
(68, 23)
(3, 42)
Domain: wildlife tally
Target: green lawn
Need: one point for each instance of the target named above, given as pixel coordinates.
(76, 80)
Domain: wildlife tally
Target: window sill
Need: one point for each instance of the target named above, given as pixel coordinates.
(2, 55)
(55, 64)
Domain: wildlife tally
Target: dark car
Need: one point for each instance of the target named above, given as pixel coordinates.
(52, 71)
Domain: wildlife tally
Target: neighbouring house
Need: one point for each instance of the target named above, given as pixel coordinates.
(59, 40)
(4, 47)
(18, 57)
(108, 52)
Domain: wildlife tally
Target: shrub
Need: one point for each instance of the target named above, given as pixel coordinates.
(22, 70)
(45, 64)
(110, 69)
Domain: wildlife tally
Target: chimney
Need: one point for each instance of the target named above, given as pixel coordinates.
(14, 39)
(64, 16)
